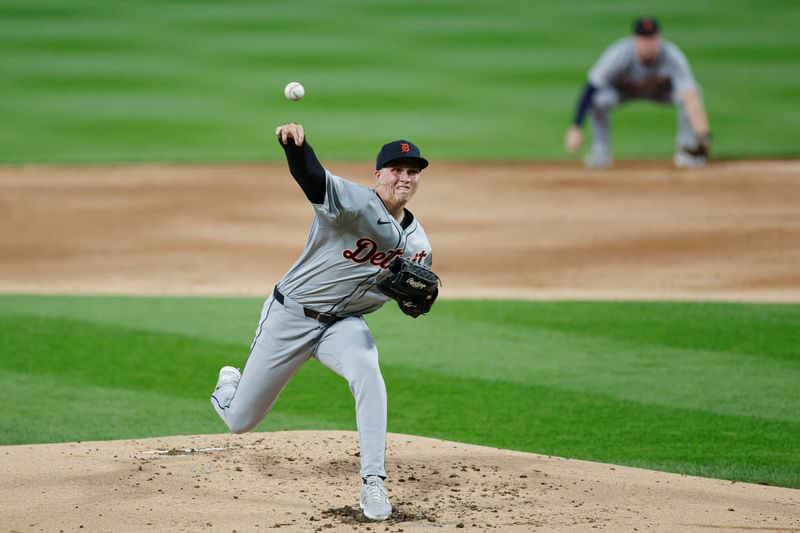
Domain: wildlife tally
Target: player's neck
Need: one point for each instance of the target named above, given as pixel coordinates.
(393, 206)
(398, 211)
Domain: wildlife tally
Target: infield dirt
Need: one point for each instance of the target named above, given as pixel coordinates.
(514, 230)
(641, 230)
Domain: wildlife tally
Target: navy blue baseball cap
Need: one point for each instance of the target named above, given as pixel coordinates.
(645, 26)
(401, 149)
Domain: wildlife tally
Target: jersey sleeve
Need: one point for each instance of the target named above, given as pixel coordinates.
(343, 198)
(678, 69)
(610, 64)
(306, 170)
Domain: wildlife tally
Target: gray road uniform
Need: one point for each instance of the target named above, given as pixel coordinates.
(317, 308)
(619, 76)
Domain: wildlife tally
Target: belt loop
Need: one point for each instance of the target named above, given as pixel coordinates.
(277, 295)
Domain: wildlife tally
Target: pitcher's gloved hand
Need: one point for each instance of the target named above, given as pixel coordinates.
(414, 286)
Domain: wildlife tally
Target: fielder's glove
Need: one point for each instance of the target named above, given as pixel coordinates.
(415, 287)
(703, 147)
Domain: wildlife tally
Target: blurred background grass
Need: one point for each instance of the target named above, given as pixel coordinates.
(125, 81)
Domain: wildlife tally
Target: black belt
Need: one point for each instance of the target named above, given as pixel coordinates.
(325, 318)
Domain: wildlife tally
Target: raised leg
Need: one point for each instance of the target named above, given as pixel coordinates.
(283, 342)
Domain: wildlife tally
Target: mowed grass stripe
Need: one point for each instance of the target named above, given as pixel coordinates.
(216, 319)
(768, 330)
(514, 385)
(54, 409)
(110, 356)
(178, 81)
(691, 355)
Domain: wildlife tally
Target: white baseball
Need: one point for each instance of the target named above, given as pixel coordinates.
(294, 91)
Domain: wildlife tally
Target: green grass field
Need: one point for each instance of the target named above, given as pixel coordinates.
(171, 80)
(697, 388)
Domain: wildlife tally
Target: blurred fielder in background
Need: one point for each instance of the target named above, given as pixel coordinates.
(642, 66)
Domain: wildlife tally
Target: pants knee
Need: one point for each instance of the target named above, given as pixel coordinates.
(241, 424)
(240, 427)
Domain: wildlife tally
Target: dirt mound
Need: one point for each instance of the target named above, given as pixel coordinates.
(308, 481)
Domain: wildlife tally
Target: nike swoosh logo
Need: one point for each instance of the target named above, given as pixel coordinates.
(380, 221)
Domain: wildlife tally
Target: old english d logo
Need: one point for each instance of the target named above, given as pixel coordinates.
(404, 148)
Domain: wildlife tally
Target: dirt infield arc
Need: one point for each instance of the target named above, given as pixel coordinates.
(642, 230)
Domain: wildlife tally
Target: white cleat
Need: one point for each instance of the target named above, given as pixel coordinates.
(226, 387)
(227, 375)
(597, 160)
(684, 160)
(374, 502)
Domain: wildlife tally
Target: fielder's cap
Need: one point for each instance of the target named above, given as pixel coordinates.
(401, 149)
(645, 26)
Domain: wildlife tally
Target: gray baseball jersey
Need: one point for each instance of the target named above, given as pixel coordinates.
(619, 66)
(352, 240)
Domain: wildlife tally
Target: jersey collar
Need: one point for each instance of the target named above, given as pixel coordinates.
(408, 216)
(408, 219)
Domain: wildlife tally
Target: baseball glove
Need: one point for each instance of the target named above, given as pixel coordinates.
(702, 149)
(415, 287)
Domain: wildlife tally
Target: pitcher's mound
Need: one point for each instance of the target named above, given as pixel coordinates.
(308, 481)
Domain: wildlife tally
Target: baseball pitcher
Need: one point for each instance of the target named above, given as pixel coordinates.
(641, 67)
(364, 249)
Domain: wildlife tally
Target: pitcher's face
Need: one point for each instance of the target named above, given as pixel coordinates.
(398, 181)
